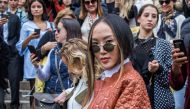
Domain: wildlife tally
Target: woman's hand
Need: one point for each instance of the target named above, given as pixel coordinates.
(3, 21)
(34, 60)
(34, 35)
(48, 46)
(153, 66)
(178, 60)
(61, 98)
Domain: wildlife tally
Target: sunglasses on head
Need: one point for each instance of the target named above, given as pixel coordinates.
(90, 1)
(166, 2)
(109, 47)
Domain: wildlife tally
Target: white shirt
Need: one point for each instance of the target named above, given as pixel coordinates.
(72, 103)
(109, 73)
(86, 26)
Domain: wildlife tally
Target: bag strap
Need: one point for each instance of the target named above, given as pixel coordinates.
(57, 71)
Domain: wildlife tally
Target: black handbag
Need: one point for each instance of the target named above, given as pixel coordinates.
(46, 100)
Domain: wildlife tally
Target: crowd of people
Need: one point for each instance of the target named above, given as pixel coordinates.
(97, 54)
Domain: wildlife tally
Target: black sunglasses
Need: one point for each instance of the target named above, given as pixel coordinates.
(58, 30)
(166, 2)
(90, 1)
(109, 47)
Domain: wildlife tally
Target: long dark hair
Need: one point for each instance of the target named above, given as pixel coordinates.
(44, 15)
(72, 27)
(123, 34)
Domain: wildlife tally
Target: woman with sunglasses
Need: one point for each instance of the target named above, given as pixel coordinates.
(90, 11)
(48, 73)
(152, 59)
(118, 85)
(170, 20)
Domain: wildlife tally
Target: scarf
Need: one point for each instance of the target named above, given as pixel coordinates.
(168, 24)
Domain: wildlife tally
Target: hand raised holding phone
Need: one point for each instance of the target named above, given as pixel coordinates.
(34, 52)
(179, 56)
(35, 34)
(34, 59)
(178, 43)
(3, 21)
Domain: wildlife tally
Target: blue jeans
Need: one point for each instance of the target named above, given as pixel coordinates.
(179, 97)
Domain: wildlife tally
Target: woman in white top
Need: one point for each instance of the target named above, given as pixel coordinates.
(90, 11)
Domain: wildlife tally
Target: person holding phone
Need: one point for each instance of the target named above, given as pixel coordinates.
(178, 75)
(11, 25)
(38, 19)
(152, 59)
(180, 72)
(66, 29)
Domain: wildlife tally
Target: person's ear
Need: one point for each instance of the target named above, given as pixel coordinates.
(138, 20)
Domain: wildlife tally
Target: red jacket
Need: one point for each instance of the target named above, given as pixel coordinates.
(129, 93)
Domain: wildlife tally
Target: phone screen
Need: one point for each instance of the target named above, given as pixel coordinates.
(37, 31)
(5, 16)
(178, 43)
(32, 49)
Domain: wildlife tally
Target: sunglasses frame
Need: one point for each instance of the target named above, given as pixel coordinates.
(58, 30)
(105, 46)
(166, 2)
(90, 1)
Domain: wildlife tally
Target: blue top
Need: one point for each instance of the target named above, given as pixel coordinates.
(26, 30)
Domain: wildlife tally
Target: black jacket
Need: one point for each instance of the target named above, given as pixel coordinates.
(14, 26)
(4, 60)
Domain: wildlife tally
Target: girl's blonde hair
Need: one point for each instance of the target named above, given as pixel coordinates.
(75, 53)
(125, 7)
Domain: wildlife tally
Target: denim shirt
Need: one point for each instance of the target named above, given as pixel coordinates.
(52, 85)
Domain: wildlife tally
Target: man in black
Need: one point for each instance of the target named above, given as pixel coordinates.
(10, 25)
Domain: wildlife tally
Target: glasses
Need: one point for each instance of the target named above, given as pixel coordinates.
(90, 1)
(58, 30)
(109, 47)
(166, 2)
(4, 2)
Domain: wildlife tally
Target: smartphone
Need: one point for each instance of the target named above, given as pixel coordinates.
(37, 31)
(5, 16)
(33, 50)
(178, 43)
